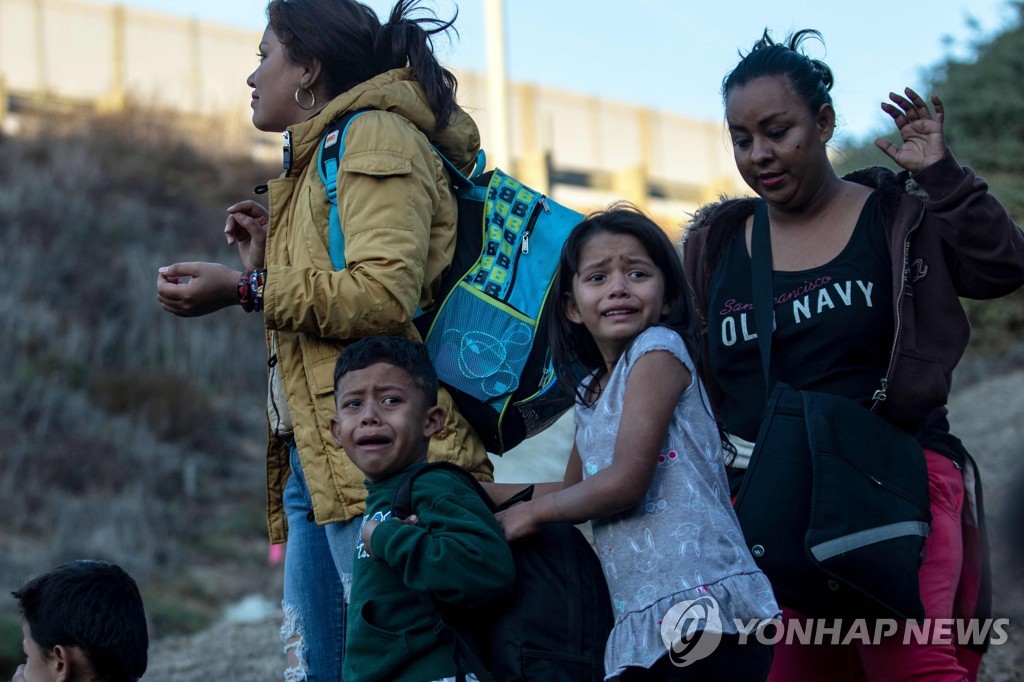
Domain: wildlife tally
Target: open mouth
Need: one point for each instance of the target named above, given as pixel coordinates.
(770, 179)
(373, 441)
(618, 311)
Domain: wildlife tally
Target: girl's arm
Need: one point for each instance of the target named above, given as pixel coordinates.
(500, 492)
(655, 383)
(209, 287)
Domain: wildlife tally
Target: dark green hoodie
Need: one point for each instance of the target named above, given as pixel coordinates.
(457, 552)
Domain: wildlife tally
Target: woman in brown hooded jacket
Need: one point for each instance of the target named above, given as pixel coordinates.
(867, 273)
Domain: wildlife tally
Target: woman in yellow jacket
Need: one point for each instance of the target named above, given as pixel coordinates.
(320, 59)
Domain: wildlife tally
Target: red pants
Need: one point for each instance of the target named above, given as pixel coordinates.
(945, 579)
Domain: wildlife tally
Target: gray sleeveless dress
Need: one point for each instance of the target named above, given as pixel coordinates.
(683, 541)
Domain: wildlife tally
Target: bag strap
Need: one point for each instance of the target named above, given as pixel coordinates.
(761, 283)
(328, 164)
(763, 287)
(464, 654)
(401, 503)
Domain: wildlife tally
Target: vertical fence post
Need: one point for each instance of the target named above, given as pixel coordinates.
(3, 101)
(39, 31)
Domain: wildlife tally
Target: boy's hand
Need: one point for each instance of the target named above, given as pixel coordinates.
(366, 534)
(371, 526)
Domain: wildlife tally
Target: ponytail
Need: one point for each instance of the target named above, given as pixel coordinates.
(410, 41)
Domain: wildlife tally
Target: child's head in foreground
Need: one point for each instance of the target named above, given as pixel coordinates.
(618, 274)
(82, 622)
(386, 395)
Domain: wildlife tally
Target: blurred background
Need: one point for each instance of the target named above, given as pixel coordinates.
(129, 435)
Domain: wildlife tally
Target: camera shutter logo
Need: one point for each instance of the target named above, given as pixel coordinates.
(692, 630)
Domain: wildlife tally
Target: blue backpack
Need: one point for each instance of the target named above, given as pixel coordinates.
(487, 333)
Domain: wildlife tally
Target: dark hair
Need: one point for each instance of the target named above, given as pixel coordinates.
(811, 78)
(393, 350)
(94, 606)
(353, 46)
(574, 352)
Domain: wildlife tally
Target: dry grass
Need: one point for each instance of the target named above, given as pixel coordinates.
(127, 434)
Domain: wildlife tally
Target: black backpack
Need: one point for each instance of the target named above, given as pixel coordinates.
(553, 626)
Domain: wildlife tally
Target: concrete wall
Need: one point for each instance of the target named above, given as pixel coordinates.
(582, 150)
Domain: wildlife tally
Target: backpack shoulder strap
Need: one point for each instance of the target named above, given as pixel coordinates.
(458, 179)
(401, 505)
(332, 148)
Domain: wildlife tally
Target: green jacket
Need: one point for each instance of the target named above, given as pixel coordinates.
(456, 552)
(398, 215)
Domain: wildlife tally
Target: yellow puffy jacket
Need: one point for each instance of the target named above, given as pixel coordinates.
(398, 216)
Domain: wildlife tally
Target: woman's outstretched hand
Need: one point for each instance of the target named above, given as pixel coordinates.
(923, 140)
(246, 226)
(194, 289)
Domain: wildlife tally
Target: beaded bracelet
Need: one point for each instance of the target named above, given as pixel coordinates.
(244, 296)
(257, 280)
(250, 290)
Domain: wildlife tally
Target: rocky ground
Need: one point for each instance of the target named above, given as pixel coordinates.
(988, 415)
(989, 418)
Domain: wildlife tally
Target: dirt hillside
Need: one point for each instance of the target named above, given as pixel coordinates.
(988, 415)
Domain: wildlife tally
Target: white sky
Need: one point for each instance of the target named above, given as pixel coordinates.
(673, 54)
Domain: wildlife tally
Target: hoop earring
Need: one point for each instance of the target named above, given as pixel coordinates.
(312, 95)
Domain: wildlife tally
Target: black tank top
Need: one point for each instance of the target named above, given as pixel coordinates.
(834, 325)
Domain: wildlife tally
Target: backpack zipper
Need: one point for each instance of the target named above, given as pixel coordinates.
(543, 203)
(879, 483)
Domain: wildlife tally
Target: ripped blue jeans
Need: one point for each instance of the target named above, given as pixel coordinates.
(317, 574)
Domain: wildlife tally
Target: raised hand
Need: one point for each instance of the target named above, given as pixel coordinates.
(246, 226)
(923, 140)
(194, 289)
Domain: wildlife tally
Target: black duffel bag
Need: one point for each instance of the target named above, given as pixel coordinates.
(834, 508)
